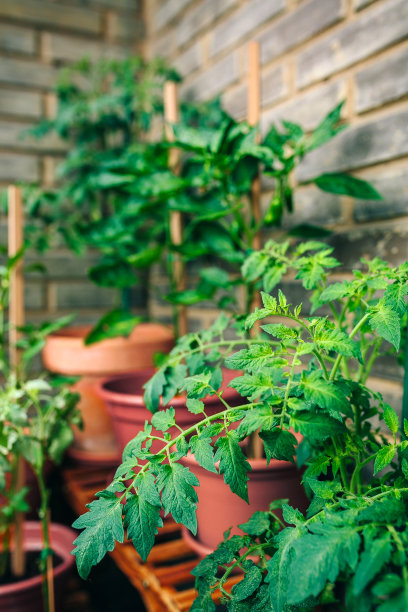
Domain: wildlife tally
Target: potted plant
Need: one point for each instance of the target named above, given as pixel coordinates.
(309, 374)
(103, 203)
(35, 428)
(218, 166)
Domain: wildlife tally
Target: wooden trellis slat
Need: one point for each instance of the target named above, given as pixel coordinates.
(164, 582)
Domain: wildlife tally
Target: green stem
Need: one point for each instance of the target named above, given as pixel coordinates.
(352, 334)
(401, 549)
(343, 472)
(45, 529)
(287, 390)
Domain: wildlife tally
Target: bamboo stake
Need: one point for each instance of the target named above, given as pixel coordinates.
(254, 111)
(176, 230)
(16, 319)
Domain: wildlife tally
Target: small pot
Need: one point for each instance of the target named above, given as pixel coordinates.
(66, 353)
(123, 396)
(218, 508)
(26, 595)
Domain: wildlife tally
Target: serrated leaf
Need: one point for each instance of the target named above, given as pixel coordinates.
(384, 458)
(335, 291)
(278, 330)
(254, 266)
(204, 453)
(324, 489)
(198, 386)
(178, 497)
(386, 322)
(142, 520)
(233, 465)
(259, 417)
(257, 524)
(327, 339)
(163, 419)
(153, 391)
(253, 359)
(394, 296)
(253, 385)
(324, 394)
(391, 418)
(103, 527)
(376, 554)
(317, 427)
(269, 302)
(194, 406)
(319, 557)
(251, 581)
(279, 444)
(279, 568)
(273, 275)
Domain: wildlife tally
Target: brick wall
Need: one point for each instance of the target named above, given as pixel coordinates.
(314, 53)
(36, 38)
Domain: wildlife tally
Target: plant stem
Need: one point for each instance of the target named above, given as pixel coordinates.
(47, 588)
(351, 335)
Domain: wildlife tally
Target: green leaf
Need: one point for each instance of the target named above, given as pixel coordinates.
(324, 394)
(273, 275)
(383, 458)
(344, 184)
(253, 385)
(316, 427)
(259, 417)
(202, 449)
(280, 331)
(142, 515)
(253, 359)
(386, 322)
(102, 529)
(163, 420)
(327, 129)
(391, 418)
(279, 444)
(254, 266)
(333, 292)
(394, 296)
(194, 406)
(178, 497)
(198, 386)
(319, 557)
(233, 464)
(377, 553)
(250, 583)
(325, 489)
(257, 524)
(153, 391)
(279, 568)
(114, 323)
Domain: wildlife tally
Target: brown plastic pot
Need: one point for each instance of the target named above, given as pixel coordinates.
(219, 509)
(123, 396)
(66, 353)
(26, 595)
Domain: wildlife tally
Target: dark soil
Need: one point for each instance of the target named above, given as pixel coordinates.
(31, 570)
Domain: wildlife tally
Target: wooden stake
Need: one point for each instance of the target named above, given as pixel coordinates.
(176, 230)
(254, 111)
(16, 319)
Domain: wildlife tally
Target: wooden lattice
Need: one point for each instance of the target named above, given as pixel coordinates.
(164, 581)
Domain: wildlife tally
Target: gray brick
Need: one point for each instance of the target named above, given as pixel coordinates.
(309, 19)
(12, 134)
(68, 48)
(213, 81)
(128, 28)
(202, 16)
(375, 29)
(164, 45)
(23, 72)
(386, 80)
(15, 102)
(273, 86)
(235, 101)
(34, 296)
(61, 264)
(244, 21)
(307, 109)
(190, 60)
(167, 11)
(393, 186)
(315, 207)
(359, 146)
(15, 167)
(44, 12)
(86, 295)
(19, 40)
(387, 242)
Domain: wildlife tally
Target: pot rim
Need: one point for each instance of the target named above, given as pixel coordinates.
(30, 530)
(134, 399)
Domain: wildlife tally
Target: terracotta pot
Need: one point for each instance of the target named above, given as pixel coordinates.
(66, 353)
(124, 398)
(26, 595)
(218, 508)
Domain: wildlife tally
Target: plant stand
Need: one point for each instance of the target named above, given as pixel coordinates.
(164, 582)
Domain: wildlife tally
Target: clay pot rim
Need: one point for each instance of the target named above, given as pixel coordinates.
(34, 527)
(74, 335)
(258, 465)
(133, 399)
(93, 458)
